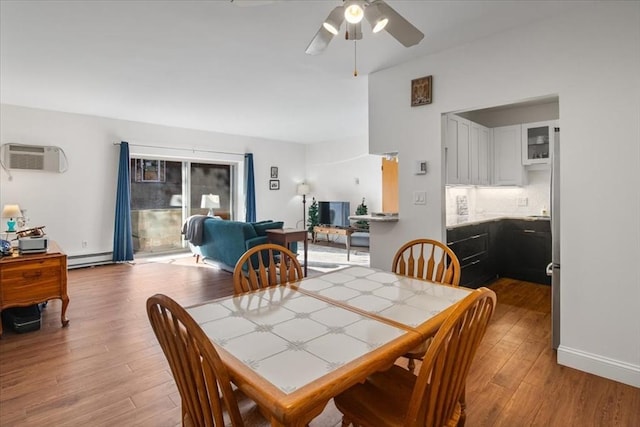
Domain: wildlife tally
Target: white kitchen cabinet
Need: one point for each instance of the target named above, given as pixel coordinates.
(507, 149)
(537, 142)
(468, 150)
(479, 157)
(457, 150)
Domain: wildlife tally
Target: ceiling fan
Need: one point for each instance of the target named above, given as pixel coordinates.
(379, 15)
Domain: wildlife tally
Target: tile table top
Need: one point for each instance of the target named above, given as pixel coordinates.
(399, 298)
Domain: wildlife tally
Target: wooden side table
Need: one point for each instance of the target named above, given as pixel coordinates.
(286, 236)
(34, 278)
(335, 230)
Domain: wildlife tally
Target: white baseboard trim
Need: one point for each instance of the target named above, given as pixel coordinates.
(88, 260)
(612, 369)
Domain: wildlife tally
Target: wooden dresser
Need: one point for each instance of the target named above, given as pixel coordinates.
(34, 278)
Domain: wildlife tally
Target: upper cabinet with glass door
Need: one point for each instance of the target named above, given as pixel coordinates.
(537, 142)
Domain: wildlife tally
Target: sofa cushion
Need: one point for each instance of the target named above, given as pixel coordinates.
(261, 228)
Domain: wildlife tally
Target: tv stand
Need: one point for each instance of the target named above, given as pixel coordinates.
(321, 229)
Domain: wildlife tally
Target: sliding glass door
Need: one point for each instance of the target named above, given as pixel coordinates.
(165, 192)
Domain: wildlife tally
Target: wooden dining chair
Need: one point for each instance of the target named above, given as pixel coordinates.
(397, 397)
(427, 259)
(263, 266)
(208, 399)
(431, 260)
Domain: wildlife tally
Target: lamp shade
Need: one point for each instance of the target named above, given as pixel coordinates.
(11, 211)
(376, 18)
(334, 20)
(353, 11)
(303, 189)
(210, 201)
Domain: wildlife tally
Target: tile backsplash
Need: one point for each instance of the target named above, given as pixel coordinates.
(531, 199)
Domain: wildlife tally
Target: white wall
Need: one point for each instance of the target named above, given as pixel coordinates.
(344, 171)
(78, 205)
(591, 60)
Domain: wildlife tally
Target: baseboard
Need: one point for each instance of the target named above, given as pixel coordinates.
(623, 372)
(88, 260)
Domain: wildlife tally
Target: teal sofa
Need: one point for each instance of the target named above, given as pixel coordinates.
(224, 242)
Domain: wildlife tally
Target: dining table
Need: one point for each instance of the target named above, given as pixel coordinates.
(291, 348)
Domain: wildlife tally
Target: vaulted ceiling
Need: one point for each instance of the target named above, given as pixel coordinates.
(237, 68)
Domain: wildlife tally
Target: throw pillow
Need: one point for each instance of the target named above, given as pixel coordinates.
(261, 228)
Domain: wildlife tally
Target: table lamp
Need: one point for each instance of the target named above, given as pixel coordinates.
(211, 202)
(302, 190)
(12, 212)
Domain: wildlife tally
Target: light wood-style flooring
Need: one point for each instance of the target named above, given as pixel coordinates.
(106, 368)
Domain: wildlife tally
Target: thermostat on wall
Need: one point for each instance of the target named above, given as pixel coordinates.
(421, 167)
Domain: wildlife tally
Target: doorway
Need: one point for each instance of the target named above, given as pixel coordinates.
(538, 194)
(390, 184)
(165, 192)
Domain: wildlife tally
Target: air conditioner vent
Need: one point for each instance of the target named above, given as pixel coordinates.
(32, 157)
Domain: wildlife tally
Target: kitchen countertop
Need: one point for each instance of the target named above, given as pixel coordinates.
(454, 221)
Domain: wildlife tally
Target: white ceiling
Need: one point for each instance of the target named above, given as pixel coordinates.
(218, 66)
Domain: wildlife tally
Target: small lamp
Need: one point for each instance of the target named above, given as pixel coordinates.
(302, 190)
(211, 202)
(12, 212)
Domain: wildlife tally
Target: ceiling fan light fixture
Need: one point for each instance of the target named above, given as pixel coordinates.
(376, 18)
(334, 20)
(353, 12)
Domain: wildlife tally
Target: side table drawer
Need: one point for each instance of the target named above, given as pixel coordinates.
(29, 281)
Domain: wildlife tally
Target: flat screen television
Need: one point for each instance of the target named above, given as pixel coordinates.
(335, 214)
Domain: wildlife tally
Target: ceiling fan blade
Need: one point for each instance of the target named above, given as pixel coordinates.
(401, 29)
(322, 38)
(319, 42)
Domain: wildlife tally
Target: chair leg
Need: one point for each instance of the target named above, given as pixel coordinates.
(411, 365)
(463, 407)
(345, 421)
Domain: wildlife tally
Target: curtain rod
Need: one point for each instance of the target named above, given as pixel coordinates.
(193, 150)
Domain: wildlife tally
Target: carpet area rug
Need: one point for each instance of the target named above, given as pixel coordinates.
(322, 257)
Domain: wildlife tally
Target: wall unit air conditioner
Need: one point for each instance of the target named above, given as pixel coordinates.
(32, 157)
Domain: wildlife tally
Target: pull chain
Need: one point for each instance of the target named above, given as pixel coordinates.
(355, 60)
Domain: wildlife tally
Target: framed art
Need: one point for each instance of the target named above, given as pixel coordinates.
(274, 184)
(274, 172)
(421, 91)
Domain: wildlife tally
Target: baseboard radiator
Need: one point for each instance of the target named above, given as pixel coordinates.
(88, 260)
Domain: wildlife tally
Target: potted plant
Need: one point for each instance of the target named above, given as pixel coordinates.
(313, 218)
(362, 210)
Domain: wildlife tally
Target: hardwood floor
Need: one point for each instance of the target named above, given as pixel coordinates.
(107, 369)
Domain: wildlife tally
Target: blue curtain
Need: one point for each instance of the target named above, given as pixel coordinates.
(122, 239)
(250, 186)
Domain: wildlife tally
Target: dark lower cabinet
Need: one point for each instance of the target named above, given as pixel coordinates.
(526, 250)
(471, 244)
(516, 248)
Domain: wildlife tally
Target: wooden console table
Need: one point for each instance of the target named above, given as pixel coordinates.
(34, 278)
(286, 236)
(335, 230)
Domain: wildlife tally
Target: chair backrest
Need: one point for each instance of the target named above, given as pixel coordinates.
(443, 373)
(428, 260)
(199, 373)
(263, 266)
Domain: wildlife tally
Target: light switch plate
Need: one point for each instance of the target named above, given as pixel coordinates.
(419, 197)
(420, 167)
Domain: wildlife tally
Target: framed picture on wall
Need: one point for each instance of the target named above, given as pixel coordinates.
(421, 91)
(274, 184)
(274, 172)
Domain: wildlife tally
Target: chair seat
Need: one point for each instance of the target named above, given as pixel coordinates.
(385, 398)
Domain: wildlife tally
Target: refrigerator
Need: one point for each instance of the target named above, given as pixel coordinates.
(553, 269)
